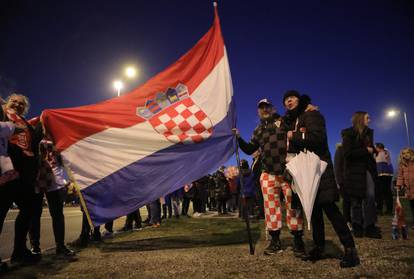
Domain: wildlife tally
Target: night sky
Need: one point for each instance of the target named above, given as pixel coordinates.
(347, 55)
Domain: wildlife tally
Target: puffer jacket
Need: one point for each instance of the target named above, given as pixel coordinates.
(406, 178)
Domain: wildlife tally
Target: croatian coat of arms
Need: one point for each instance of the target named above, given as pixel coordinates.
(175, 115)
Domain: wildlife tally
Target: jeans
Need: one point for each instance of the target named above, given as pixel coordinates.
(364, 211)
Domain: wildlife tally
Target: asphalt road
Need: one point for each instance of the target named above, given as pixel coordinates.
(73, 222)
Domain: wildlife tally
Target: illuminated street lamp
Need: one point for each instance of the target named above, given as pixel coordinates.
(393, 113)
(118, 85)
(130, 72)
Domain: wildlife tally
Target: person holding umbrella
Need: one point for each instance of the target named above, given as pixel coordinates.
(308, 132)
(270, 137)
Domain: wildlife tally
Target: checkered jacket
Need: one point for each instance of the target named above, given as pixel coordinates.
(271, 137)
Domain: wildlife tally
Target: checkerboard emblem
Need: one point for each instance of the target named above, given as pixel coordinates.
(175, 115)
(183, 122)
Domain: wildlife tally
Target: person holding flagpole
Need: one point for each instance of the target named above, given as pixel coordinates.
(270, 137)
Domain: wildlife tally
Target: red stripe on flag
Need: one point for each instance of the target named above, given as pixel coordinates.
(67, 126)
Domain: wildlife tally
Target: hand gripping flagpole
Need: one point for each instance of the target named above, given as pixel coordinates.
(81, 199)
(245, 213)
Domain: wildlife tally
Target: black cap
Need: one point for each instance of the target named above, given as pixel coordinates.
(290, 93)
(264, 101)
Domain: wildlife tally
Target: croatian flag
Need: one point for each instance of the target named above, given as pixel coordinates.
(136, 148)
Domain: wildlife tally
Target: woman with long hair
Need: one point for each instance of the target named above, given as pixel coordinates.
(360, 174)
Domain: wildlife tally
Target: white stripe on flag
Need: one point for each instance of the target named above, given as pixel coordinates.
(95, 157)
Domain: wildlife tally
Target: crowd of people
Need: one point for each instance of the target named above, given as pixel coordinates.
(361, 173)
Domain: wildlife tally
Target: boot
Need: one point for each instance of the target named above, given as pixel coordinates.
(275, 245)
(357, 230)
(350, 258)
(298, 244)
(373, 232)
(315, 254)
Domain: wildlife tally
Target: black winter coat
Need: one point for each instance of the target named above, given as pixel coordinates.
(222, 186)
(316, 140)
(357, 161)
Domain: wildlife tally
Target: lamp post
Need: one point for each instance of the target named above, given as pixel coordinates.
(130, 72)
(393, 113)
(118, 85)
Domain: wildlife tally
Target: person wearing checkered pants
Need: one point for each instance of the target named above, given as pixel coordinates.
(270, 136)
(272, 186)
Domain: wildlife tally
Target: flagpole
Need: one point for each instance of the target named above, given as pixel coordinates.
(246, 215)
(81, 199)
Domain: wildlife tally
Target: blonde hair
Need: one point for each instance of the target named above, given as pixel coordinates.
(358, 120)
(406, 156)
(25, 99)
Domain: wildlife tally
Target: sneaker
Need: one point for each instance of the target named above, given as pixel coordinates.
(137, 228)
(126, 229)
(36, 250)
(24, 257)
(274, 247)
(65, 251)
(350, 258)
(107, 234)
(373, 232)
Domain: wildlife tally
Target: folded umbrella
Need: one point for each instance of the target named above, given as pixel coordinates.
(306, 170)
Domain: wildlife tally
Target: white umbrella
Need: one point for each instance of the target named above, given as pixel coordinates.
(306, 169)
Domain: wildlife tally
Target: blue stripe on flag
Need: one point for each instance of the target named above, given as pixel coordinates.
(161, 173)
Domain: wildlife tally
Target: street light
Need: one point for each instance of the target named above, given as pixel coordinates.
(130, 72)
(393, 113)
(118, 85)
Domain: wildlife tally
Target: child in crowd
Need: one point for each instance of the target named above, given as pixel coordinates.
(405, 176)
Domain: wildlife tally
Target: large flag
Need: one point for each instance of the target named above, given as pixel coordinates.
(131, 150)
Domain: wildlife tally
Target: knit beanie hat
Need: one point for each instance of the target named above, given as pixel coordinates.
(290, 93)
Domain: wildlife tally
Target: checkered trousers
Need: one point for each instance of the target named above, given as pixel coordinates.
(271, 187)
